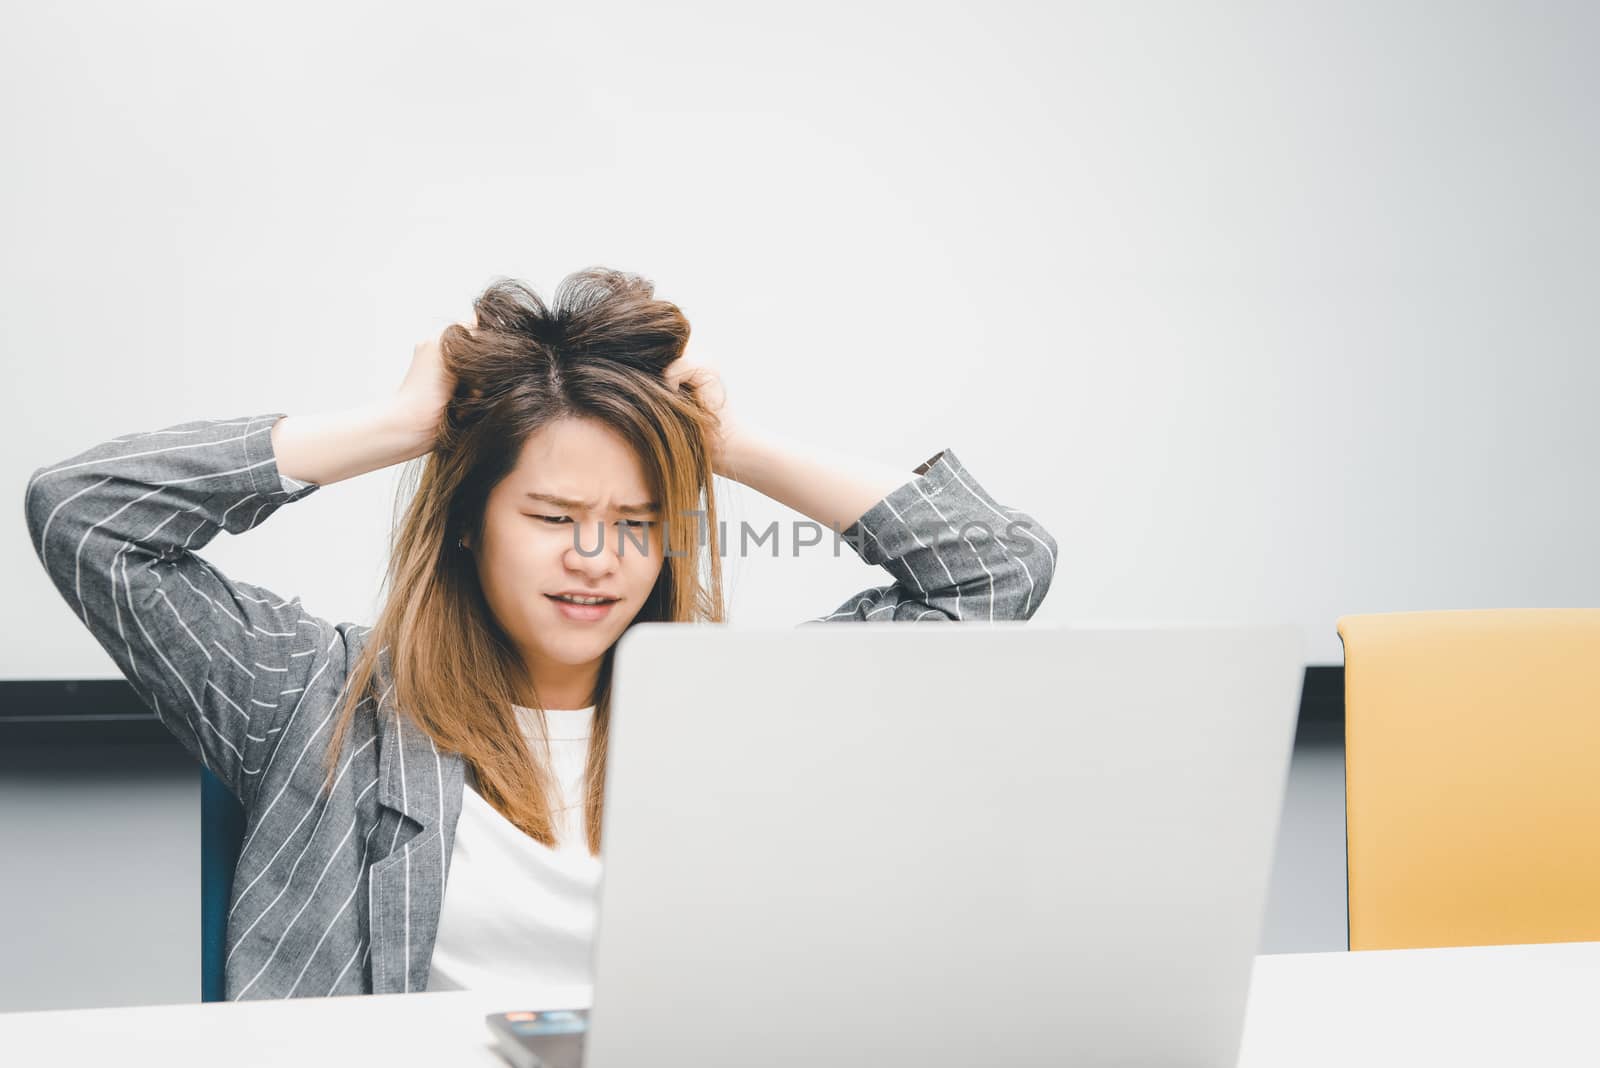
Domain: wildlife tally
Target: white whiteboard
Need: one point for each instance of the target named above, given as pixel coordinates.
(1266, 315)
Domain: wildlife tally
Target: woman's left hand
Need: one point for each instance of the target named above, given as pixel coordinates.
(706, 383)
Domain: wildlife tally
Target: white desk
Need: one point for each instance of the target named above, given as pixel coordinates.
(1492, 1005)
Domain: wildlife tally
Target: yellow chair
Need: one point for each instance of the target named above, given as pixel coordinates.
(1472, 777)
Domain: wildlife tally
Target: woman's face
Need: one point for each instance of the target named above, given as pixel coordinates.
(534, 547)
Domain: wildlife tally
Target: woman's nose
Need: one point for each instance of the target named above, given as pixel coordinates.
(594, 549)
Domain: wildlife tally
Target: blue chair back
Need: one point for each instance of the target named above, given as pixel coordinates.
(221, 834)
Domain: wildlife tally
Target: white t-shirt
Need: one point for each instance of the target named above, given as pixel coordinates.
(515, 910)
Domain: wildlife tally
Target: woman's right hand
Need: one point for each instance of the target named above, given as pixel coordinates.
(427, 387)
(328, 447)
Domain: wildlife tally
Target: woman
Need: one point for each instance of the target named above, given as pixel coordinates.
(463, 734)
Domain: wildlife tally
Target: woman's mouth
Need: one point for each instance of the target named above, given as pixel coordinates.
(581, 613)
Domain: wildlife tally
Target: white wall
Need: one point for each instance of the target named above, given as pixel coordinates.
(1273, 312)
(100, 901)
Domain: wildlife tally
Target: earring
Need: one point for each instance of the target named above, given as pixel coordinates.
(461, 543)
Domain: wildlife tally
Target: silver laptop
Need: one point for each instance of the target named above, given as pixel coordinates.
(983, 844)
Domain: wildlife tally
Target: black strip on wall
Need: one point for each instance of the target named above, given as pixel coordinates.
(109, 711)
(93, 711)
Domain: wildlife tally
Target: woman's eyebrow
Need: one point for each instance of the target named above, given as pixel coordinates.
(566, 502)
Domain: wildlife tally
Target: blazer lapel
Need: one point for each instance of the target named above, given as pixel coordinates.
(419, 801)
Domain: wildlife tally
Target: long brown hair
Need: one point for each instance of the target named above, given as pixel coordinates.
(598, 352)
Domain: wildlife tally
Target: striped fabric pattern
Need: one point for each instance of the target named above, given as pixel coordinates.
(340, 893)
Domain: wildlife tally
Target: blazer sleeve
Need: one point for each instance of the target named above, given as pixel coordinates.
(222, 663)
(955, 553)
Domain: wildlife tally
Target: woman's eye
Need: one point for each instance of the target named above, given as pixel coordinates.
(637, 524)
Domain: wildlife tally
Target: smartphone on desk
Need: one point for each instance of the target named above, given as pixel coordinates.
(547, 1039)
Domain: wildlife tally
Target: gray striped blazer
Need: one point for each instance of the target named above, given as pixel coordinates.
(340, 893)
